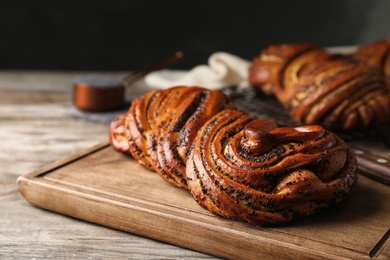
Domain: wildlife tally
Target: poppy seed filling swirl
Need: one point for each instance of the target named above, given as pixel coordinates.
(253, 171)
(234, 165)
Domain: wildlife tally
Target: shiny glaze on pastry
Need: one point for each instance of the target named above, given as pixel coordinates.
(253, 171)
(234, 165)
(161, 125)
(377, 54)
(317, 87)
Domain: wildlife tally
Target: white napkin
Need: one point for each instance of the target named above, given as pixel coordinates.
(223, 70)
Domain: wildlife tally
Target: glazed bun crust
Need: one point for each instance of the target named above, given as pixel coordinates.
(317, 87)
(234, 165)
(253, 171)
(376, 54)
(161, 125)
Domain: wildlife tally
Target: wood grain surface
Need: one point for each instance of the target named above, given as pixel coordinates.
(105, 187)
(39, 125)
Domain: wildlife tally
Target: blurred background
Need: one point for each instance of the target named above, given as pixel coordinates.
(126, 35)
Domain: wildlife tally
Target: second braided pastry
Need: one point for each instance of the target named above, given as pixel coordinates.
(376, 54)
(317, 87)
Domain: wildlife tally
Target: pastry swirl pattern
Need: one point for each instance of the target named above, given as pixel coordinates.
(376, 54)
(234, 165)
(161, 125)
(317, 87)
(253, 171)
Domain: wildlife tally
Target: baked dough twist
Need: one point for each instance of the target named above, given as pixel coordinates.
(161, 125)
(252, 171)
(317, 87)
(377, 54)
(235, 166)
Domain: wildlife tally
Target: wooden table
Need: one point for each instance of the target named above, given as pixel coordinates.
(39, 125)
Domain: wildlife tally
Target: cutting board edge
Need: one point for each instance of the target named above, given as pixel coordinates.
(63, 162)
(269, 249)
(31, 196)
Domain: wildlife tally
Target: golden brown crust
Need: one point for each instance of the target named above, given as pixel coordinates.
(189, 109)
(127, 133)
(161, 126)
(317, 87)
(251, 170)
(377, 54)
(268, 67)
(235, 166)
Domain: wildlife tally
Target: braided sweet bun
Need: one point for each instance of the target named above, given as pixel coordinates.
(377, 54)
(235, 166)
(317, 87)
(252, 171)
(267, 69)
(161, 125)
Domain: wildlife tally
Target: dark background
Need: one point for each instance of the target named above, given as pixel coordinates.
(126, 35)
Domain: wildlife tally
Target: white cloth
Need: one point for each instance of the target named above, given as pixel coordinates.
(223, 70)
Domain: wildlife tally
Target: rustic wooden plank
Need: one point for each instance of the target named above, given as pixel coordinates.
(31, 144)
(111, 189)
(32, 97)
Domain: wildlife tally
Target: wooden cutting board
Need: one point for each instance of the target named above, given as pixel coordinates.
(103, 186)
